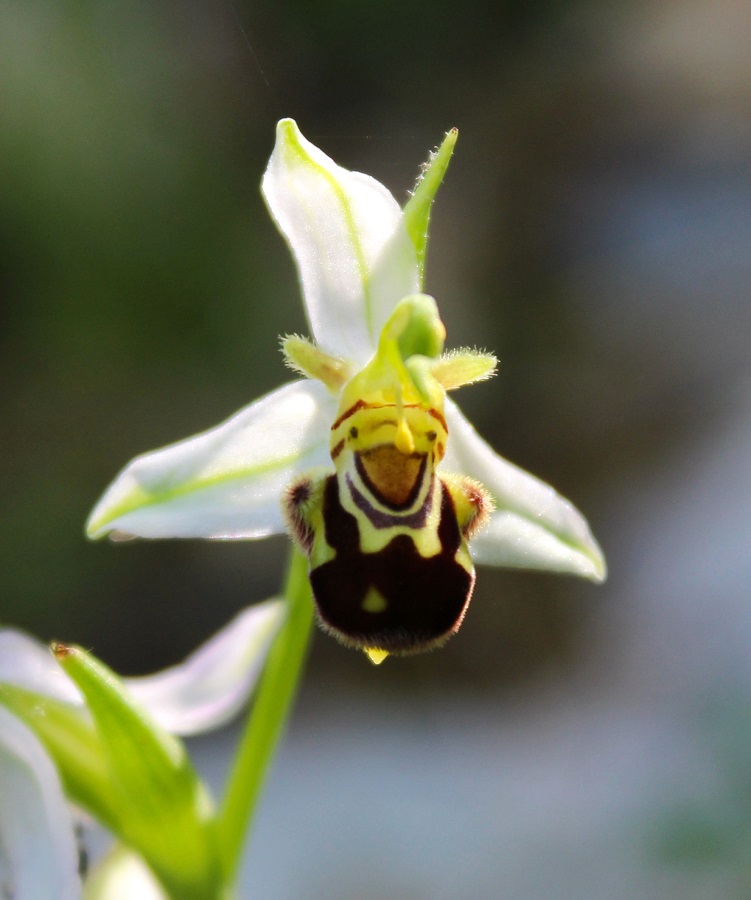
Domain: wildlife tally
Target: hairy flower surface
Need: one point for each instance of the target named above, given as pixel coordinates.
(429, 490)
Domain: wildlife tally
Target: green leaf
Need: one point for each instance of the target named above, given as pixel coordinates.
(164, 810)
(417, 210)
(70, 739)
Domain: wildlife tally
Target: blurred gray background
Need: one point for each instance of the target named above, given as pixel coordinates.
(594, 230)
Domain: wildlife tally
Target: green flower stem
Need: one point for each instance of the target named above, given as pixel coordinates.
(269, 713)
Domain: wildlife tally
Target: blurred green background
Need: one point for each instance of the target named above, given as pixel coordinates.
(594, 230)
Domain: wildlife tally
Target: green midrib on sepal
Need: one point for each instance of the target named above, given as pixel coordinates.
(141, 497)
(295, 152)
(592, 552)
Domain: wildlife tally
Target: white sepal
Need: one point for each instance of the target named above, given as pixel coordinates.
(533, 526)
(354, 257)
(226, 483)
(38, 855)
(211, 685)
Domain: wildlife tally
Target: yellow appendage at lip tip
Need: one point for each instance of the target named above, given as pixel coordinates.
(376, 656)
(403, 440)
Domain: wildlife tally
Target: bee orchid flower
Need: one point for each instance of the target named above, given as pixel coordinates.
(378, 475)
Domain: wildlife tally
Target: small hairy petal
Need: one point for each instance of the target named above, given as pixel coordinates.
(308, 360)
(459, 367)
(532, 525)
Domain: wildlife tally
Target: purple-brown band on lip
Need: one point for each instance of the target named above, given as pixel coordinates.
(379, 519)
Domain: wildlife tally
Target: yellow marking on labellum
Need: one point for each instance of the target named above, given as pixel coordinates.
(375, 655)
(403, 439)
(374, 602)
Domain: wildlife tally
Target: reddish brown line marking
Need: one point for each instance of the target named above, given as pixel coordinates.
(351, 411)
(337, 450)
(363, 404)
(437, 415)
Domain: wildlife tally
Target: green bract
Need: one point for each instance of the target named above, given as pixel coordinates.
(161, 807)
